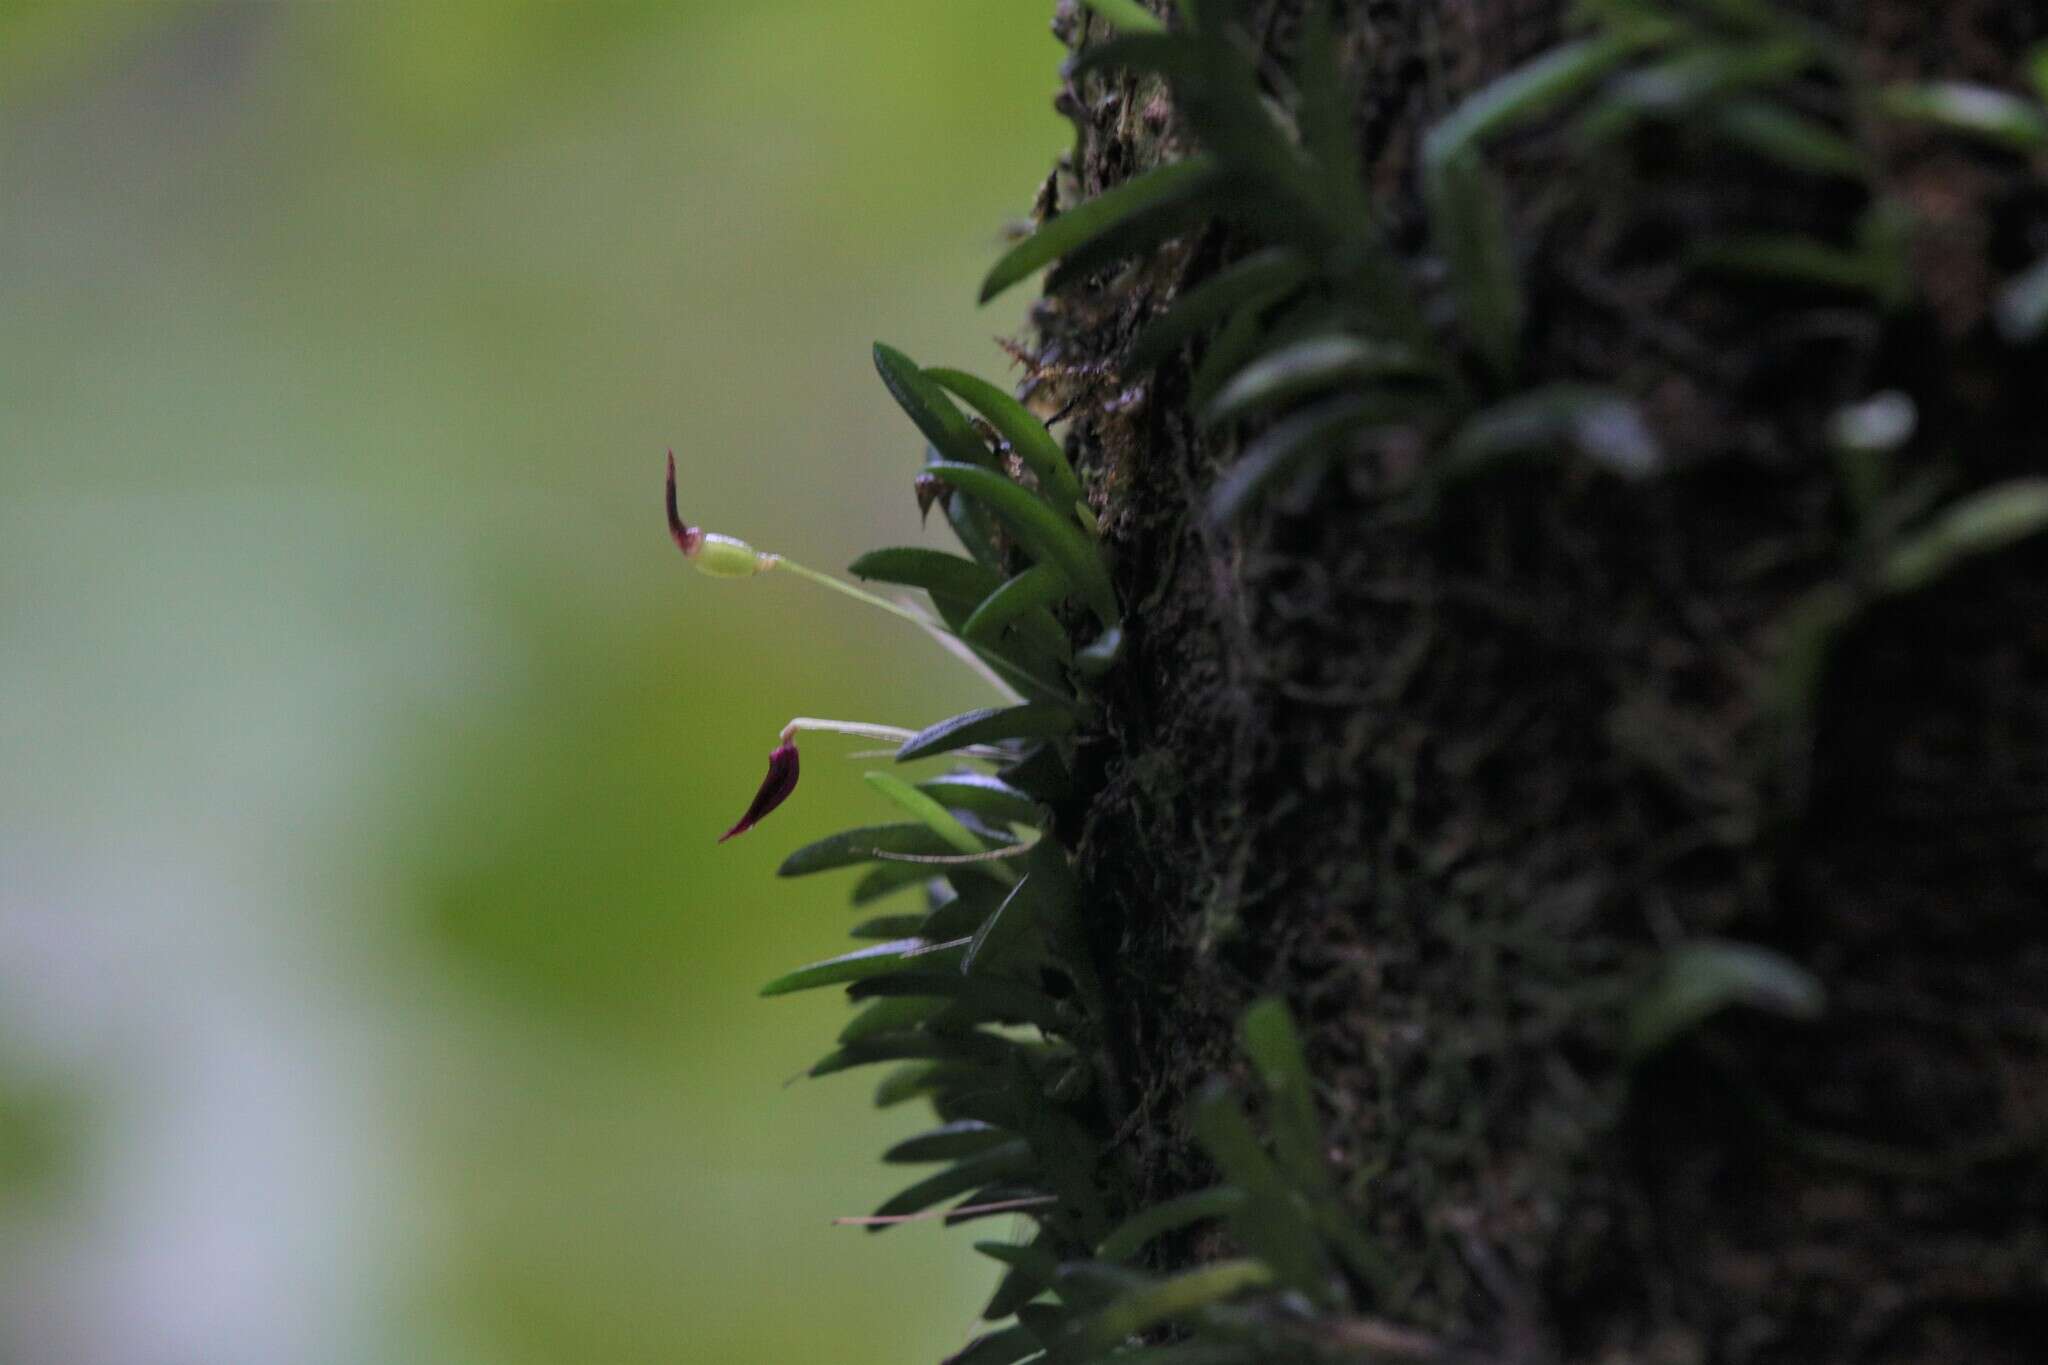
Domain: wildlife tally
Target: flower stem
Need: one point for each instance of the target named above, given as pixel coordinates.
(858, 594)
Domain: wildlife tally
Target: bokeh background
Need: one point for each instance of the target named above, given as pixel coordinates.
(371, 988)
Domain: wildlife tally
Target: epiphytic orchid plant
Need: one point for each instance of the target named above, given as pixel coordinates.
(1000, 625)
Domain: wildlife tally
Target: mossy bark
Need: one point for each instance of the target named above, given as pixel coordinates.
(1453, 781)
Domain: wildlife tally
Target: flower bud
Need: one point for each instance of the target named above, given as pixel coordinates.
(713, 554)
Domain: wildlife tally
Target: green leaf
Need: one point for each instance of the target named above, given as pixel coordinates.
(1292, 442)
(1000, 939)
(1700, 979)
(1306, 367)
(2021, 309)
(886, 880)
(937, 572)
(1323, 110)
(1178, 181)
(974, 1049)
(1254, 282)
(989, 797)
(1172, 1298)
(1007, 1347)
(887, 926)
(899, 1014)
(1776, 133)
(1979, 524)
(1170, 1215)
(1469, 219)
(925, 1079)
(851, 847)
(1600, 424)
(1031, 1258)
(982, 997)
(1020, 1285)
(930, 813)
(1096, 660)
(1037, 587)
(1270, 1040)
(927, 405)
(1521, 94)
(1011, 1159)
(1028, 437)
(1050, 536)
(1127, 15)
(874, 960)
(947, 1142)
(1979, 111)
(1786, 258)
(966, 912)
(1273, 1223)
(983, 727)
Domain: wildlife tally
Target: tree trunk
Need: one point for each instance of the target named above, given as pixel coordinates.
(1461, 778)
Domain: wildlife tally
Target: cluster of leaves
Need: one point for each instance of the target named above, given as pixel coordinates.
(986, 999)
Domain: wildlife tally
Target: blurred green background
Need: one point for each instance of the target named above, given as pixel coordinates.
(371, 988)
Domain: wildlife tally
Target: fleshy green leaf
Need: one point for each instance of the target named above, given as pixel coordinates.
(983, 997)
(930, 813)
(1011, 1159)
(1521, 94)
(1773, 131)
(982, 727)
(1037, 587)
(1007, 1347)
(1980, 111)
(1976, 525)
(975, 1049)
(1700, 979)
(1306, 367)
(1175, 1297)
(927, 405)
(1469, 220)
(947, 1142)
(874, 960)
(1050, 536)
(1290, 443)
(924, 1079)
(989, 797)
(935, 571)
(1002, 935)
(1177, 181)
(1273, 1223)
(898, 1014)
(851, 847)
(1600, 424)
(1028, 437)
(887, 926)
(1170, 1215)
(887, 880)
(1273, 1045)
(1253, 282)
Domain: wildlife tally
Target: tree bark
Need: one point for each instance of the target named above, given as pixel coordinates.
(1455, 780)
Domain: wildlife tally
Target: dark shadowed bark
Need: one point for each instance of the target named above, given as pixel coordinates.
(1456, 776)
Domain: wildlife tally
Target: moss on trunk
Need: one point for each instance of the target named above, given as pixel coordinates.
(1453, 778)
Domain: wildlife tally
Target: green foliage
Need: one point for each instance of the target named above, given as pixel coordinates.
(1316, 339)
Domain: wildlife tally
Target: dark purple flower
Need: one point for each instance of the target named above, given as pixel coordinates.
(687, 538)
(775, 789)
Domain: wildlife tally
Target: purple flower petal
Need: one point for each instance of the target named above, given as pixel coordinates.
(775, 789)
(687, 538)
